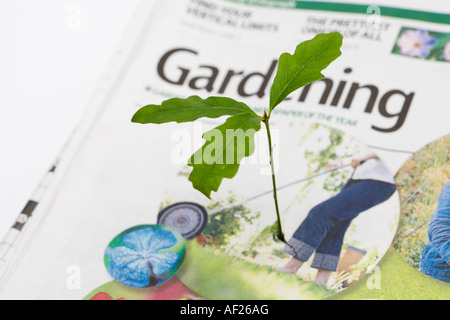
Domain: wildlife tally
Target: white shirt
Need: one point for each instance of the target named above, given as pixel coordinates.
(373, 169)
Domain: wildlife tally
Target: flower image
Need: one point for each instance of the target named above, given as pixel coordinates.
(102, 296)
(447, 51)
(416, 43)
(144, 256)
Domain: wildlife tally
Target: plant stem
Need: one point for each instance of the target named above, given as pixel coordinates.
(280, 234)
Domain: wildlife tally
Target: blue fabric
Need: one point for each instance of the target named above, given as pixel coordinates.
(324, 228)
(440, 278)
(436, 256)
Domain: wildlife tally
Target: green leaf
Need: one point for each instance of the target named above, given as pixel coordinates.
(305, 66)
(223, 151)
(190, 109)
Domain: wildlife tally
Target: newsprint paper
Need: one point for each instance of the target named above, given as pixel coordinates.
(386, 95)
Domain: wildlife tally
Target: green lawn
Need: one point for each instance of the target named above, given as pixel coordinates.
(399, 281)
(217, 276)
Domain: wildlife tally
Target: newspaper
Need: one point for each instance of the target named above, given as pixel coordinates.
(386, 94)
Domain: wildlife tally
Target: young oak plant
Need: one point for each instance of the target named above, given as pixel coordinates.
(295, 71)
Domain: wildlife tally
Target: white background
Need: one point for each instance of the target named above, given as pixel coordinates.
(52, 53)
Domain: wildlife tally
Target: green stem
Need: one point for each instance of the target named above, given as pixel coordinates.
(280, 234)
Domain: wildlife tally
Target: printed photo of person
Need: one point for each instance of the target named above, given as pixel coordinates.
(322, 232)
(423, 235)
(436, 256)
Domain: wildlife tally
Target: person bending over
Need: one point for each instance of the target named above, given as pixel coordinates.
(323, 230)
(436, 256)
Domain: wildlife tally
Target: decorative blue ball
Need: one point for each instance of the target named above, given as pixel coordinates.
(145, 256)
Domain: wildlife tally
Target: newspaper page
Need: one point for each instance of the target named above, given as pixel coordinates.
(116, 181)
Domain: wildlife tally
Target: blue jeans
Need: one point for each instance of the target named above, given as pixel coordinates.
(440, 278)
(323, 231)
(436, 256)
